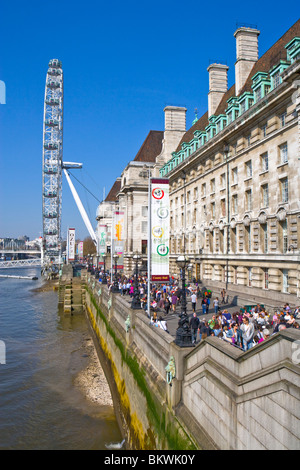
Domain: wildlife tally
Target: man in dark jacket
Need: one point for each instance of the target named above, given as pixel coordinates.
(194, 325)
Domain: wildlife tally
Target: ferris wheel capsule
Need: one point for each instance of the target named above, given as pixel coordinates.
(55, 63)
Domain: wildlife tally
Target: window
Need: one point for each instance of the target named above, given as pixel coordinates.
(234, 275)
(235, 204)
(212, 185)
(144, 247)
(248, 239)
(223, 181)
(276, 79)
(233, 240)
(144, 211)
(188, 197)
(264, 130)
(265, 195)
(203, 189)
(265, 237)
(234, 175)
(265, 162)
(283, 151)
(284, 190)
(248, 140)
(249, 169)
(195, 194)
(249, 277)
(285, 280)
(283, 119)
(258, 94)
(213, 210)
(249, 204)
(284, 236)
(144, 226)
(223, 207)
(266, 278)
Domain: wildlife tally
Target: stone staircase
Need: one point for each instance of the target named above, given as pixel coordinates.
(71, 292)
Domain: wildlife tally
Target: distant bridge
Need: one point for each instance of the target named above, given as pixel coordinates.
(20, 263)
(9, 251)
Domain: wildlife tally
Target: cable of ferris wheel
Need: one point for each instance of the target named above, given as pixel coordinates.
(84, 187)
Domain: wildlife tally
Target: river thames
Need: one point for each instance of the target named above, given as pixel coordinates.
(43, 404)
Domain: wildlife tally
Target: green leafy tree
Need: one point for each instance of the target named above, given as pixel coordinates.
(89, 247)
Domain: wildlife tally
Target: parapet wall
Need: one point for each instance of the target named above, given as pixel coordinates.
(220, 397)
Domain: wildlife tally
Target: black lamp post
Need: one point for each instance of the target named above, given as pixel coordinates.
(183, 332)
(115, 286)
(97, 266)
(104, 280)
(136, 301)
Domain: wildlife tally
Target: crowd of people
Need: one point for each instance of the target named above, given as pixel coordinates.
(244, 328)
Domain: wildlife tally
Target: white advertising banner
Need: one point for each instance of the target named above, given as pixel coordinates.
(160, 229)
(118, 238)
(80, 250)
(71, 244)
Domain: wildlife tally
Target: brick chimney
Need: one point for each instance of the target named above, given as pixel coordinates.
(246, 55)
(218, 85)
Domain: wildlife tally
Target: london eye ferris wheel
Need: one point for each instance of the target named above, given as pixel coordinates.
(52, 163)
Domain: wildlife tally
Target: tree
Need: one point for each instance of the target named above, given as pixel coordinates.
(89, 247)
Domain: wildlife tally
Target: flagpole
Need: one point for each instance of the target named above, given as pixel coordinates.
(149, 244)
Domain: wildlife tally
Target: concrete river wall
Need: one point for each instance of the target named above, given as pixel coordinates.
(212, 396)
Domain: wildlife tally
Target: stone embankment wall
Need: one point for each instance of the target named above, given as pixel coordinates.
(220, 397)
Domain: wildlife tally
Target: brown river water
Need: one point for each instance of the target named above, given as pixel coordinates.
(53, 392)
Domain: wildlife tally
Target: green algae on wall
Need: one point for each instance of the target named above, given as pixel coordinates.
(158, 428)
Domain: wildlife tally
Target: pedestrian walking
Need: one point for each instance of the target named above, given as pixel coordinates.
(194, 301)
(194, 325)
(216, 305)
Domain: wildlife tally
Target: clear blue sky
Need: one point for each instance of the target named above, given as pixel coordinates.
(123, 63)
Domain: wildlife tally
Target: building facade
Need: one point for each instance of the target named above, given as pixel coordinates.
(129, 194)
(234, 177)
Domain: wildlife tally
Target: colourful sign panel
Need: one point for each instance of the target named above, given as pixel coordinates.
(71, 244)
(118, 238)
(160, 229)
(102, 234)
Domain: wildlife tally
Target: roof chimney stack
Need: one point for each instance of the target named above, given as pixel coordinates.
(218, 85)
(246, 55)
(175, 128)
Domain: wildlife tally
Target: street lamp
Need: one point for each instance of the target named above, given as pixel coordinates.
(115, 286)
(104, 280)
(136, 301)
(183, 332)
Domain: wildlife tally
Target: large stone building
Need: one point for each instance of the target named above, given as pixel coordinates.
(234, 176)
(129, 194)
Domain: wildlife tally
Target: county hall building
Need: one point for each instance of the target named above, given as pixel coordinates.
(234, 177)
